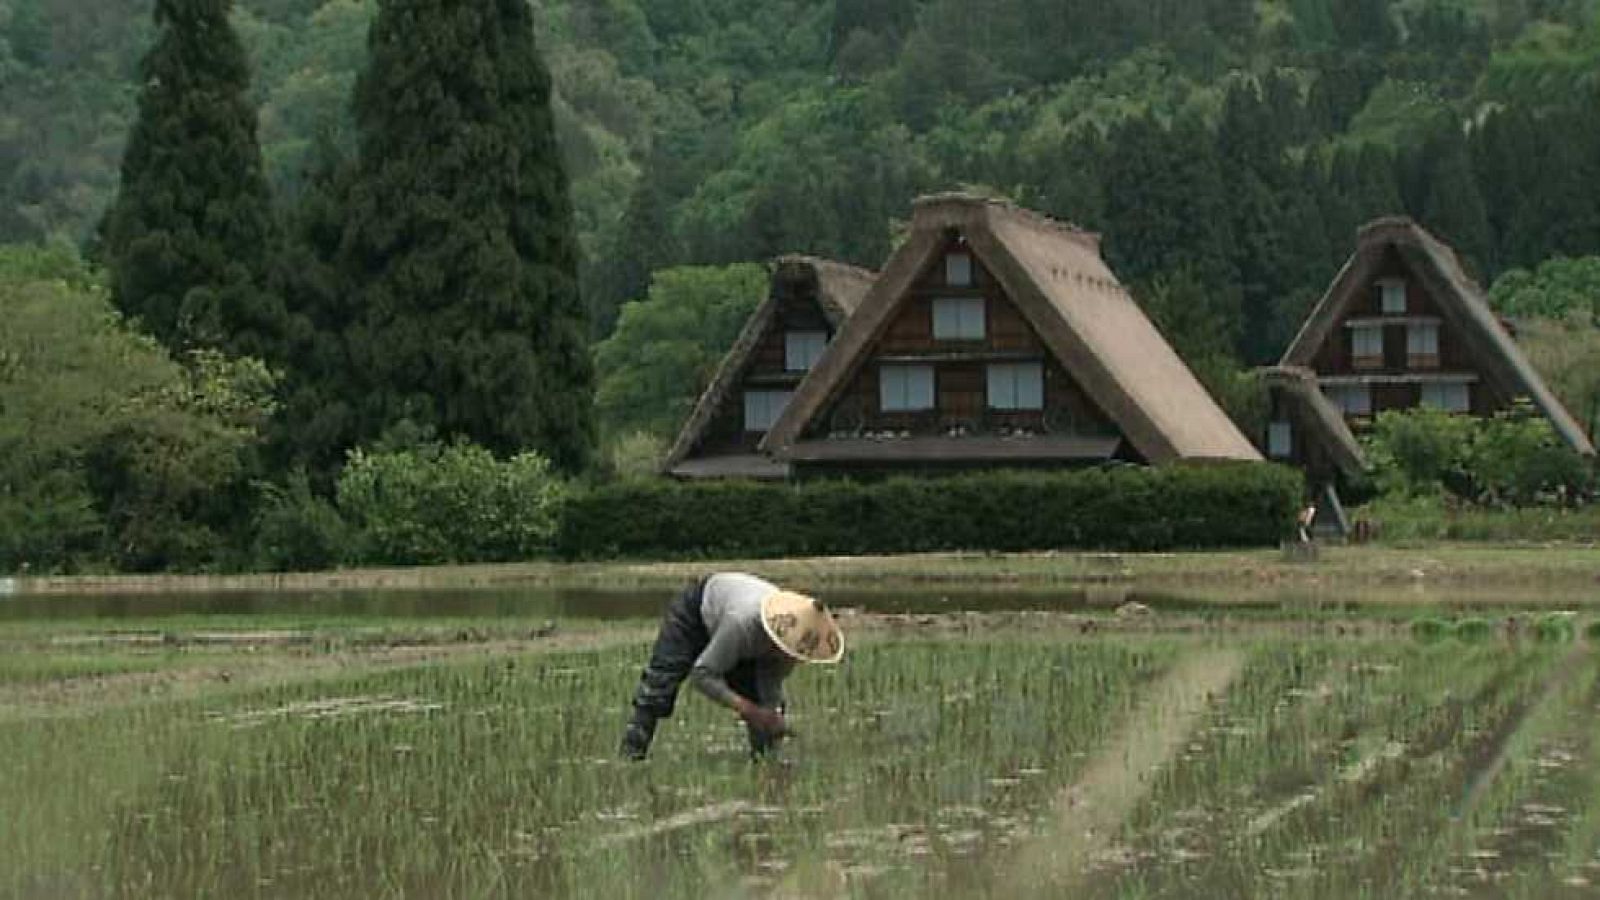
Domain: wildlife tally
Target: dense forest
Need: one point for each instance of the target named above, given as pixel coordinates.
(1227, 150)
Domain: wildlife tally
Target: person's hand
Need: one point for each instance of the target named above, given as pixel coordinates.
(766, 721)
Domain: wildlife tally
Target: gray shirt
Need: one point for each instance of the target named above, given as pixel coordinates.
(731, 609)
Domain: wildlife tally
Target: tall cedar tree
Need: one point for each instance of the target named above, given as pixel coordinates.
(189, 236)
(460, 240)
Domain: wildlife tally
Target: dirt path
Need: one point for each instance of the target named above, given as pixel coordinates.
(1087, 815)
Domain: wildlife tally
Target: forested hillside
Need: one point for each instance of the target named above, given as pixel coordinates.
(1237, 139)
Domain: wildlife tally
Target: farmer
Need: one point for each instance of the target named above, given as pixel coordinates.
(737, 638)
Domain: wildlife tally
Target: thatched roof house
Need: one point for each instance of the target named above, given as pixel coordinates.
(808, 301)
(1401, 326)
(996, 336)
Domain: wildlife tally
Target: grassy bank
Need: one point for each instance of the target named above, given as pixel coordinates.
(1571, 566)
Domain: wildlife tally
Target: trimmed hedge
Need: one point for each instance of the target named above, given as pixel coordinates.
(1127, 508)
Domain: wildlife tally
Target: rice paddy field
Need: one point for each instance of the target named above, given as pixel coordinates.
(466, 748)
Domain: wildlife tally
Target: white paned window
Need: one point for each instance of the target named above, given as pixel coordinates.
(762, 408)
(1451, 396)
(1352, 399)
(1279, 440)
(802, 349)
(958, 319)
(1016, 386)
(1393, 291)
(905, 388)
(1366, 340)
(1422, 339)
(958, 270)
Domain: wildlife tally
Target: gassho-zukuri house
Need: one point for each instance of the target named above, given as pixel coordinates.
(808, 300)
(995, 336)
(1401, 326)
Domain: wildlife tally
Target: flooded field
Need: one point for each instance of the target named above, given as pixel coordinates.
(1041, 757)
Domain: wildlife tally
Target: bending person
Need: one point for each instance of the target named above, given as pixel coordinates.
(737, 637)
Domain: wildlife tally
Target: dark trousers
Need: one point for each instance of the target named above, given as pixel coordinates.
(682, 638)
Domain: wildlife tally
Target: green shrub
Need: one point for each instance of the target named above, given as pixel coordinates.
(1555, 627)
(1514, 458)
(1592, 631)
(297, 531)
(1473, 629)
(1123, 508)
(1429, 629)
(1443, 518)
(453, 504)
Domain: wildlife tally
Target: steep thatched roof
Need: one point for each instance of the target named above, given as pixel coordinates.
(1055, 276)
(1331, 430)
(838, 288)
(1460, 301)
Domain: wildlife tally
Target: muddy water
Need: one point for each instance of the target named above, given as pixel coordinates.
(585, 603)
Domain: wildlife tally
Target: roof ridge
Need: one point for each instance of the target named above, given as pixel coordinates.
(1071, 230)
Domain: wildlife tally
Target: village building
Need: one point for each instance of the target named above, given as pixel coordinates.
(1402, 326)
(808, 301)
(998, 337)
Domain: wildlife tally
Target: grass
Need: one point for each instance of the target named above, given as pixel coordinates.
(946, 763)
(913, 762)
(1446, 567)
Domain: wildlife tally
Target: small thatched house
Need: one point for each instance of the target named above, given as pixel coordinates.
(996, 336)
(808, 302)
(1401, 326)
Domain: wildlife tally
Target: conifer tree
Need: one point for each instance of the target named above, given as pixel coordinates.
(458, 238)
(189, 236)
(1452, 207)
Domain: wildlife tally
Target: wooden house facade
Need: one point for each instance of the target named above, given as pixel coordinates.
(1401, 326)
(995, 336)
(808, 301)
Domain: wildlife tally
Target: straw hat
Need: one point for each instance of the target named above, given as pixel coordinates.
(802, 627)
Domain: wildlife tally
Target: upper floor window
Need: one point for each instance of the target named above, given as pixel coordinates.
(1422, 343)
(802, 349)
(1366, 344)
(1393, 292)
(905, 388)
(762, 408)
(958, 319)
(1016, 386)
(958, 269)
(1352, 399)
(1450, 396)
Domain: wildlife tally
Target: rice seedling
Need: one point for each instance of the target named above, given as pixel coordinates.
(1429, 629)
(957, 761)
(1555, 627)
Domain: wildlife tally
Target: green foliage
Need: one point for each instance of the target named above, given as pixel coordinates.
(188, 237)
(1473, 630)
(666, 347)
(111, 452)
(1558, 289)
(1567, 354)
(296, 530)
(1427, 519)
(448, 504)
(1132, 508)
(1555, 627)
(1418, 452)
(1429, 629)
(1514, 458)
(636, 455)
(458, 241)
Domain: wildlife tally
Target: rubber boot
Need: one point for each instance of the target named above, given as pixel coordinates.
(636, 737)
